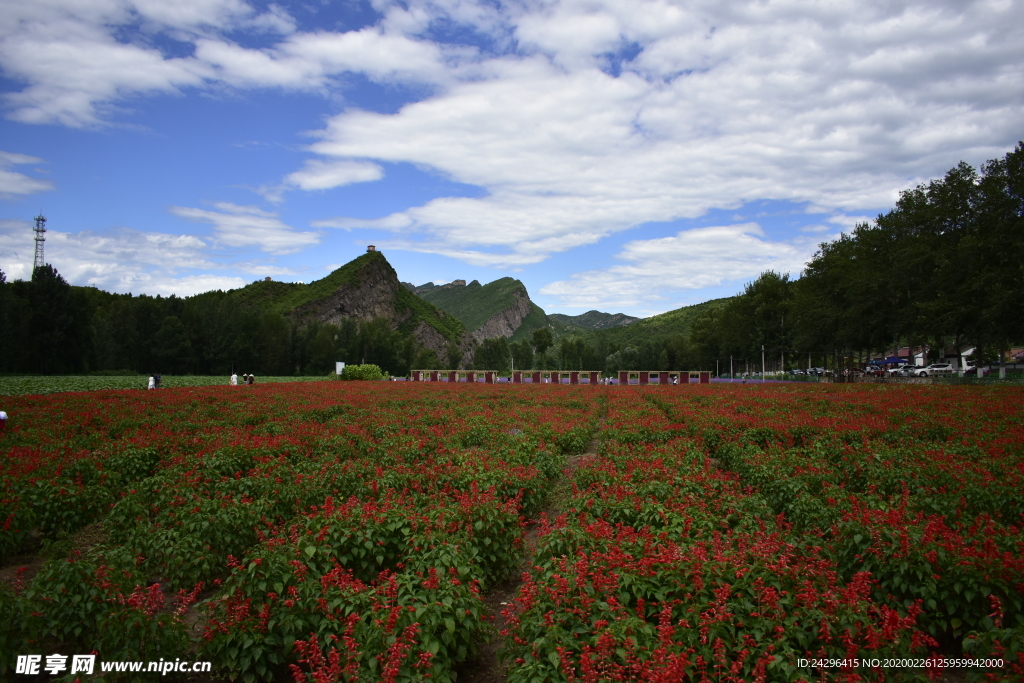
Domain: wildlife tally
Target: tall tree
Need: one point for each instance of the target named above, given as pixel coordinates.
(172, 348)
(52, 319)
(493, 354)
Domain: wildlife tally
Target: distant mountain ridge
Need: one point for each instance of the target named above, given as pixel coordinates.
(497, 309)
(675, 323)
(503, 308)
(363, 289)
(594, 320)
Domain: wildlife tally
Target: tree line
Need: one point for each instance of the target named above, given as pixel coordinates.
(943, 270)
(49, 327)
(542, 352)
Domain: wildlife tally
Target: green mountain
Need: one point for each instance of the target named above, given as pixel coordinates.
(497, 309)
(594, 320)
(365, 288)
(474, 304)
(669, 324)
(503, 309)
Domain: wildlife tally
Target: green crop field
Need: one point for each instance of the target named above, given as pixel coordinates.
(18, 385)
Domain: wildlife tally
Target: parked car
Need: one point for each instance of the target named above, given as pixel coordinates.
(972, 371)
(796, 371)
(935, 369)
(874, 371)
(901, 371)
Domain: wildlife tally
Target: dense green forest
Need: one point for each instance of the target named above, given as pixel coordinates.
(50, 327)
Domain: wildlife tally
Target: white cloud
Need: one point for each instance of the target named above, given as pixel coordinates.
(848, 223)
(247, 226)
(186, 14)
(122, 260)
(691, 259)
(275, 20)
(14, 184)
(324, 175)
(836, 106)
(582, 118)
(470, 256)
(392, 222)
(262, 269)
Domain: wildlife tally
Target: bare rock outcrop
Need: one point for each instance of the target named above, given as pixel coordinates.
(431, 339)
(505, 323)
(371, 293)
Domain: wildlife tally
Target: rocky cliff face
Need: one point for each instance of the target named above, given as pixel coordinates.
(505, 323)
(373, 293)
(435, 341)
(371, 296)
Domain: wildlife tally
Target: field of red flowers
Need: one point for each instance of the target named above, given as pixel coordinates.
(349, 531)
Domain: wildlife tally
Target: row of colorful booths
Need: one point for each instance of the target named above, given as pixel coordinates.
(564, 377)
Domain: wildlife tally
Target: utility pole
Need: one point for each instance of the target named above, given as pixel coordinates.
(732, 377)
(762, 363)
(40, 231)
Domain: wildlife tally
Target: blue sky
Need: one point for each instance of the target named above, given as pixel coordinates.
(624, 156)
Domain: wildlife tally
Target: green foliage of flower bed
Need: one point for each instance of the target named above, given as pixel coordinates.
(347, 531)
(316, 518)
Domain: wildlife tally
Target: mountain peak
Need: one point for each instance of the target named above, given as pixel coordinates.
(364, 289)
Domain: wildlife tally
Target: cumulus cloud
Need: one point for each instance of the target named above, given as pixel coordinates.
(77, 60)
(318, 174)
(14, 184)
(73, 65)
(710, 106)
(577, 118)
(691, 259)
(122, 260)
(249, 226)
(321, 175)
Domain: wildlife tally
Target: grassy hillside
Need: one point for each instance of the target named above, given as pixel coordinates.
(474, 304)
(448, 325)
(668, 324)
(284, 297)
(534, 320)
(594, 320)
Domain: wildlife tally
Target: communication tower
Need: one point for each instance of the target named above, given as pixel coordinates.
(40, 231)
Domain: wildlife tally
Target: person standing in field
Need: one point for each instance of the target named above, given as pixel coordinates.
(234, 380)
(152, 382)
(3, 421)
(252, 379)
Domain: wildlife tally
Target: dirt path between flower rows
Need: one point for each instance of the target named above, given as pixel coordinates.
(20, 569)
(486, 668)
